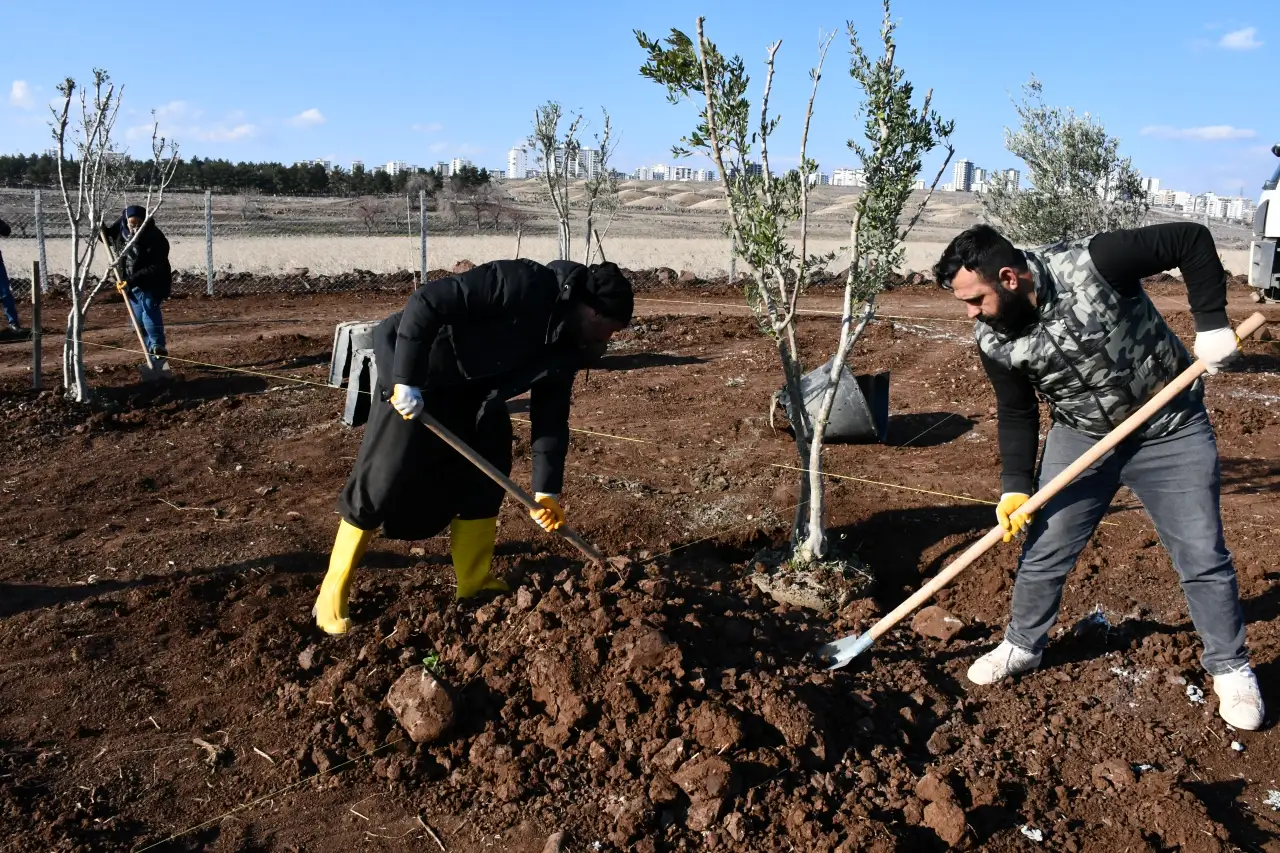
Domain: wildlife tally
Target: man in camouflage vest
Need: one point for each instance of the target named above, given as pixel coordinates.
(1071, 323)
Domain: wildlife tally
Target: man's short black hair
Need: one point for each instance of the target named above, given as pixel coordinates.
(981, 249)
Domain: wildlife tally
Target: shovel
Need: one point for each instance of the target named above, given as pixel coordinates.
(150, 372)
(840, 652)
(503, 480)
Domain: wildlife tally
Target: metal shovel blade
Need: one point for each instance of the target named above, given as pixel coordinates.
(845, 649)
(157, 371)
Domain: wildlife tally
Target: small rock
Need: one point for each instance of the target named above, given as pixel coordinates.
(422, 704)
(936, 623)
(308, 658)
(463, 266)
(524, 598)
(1032, 833)
(670, 755)
(704, 776)
(942, 743)
(704, 813)
(716, 728)
(1195, 695)
(1237, 746)
(555, 844)
(662, 790)
(735, 825)
(946, 819)
(417, 551)
(1113, 772)
(265, 490)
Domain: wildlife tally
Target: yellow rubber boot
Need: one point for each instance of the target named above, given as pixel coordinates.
(331, 605)
(472, 544)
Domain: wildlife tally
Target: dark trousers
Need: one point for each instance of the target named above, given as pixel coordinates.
(412, 484)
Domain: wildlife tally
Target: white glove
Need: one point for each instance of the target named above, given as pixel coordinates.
(407, 400)
(1217, 348)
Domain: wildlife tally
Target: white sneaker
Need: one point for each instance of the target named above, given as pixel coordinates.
(1004, 660)
(1239, 699)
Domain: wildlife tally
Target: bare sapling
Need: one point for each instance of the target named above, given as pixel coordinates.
(91, 183)
(763, 209)
(600, 189)
(558, 161)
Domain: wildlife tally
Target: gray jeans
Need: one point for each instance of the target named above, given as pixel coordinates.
(1177, 478)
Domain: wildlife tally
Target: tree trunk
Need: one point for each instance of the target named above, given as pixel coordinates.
(519, 234)
(73, 375)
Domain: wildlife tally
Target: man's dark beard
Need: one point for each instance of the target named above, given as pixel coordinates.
(1014, 313)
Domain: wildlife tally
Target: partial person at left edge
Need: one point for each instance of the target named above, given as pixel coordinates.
(6, 292)
(146, 277)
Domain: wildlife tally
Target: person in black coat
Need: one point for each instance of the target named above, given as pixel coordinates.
(146, 277)
(460, 349)
(6, 292)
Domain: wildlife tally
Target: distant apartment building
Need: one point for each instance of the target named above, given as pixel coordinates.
(497, 175)
(1012, 179)
(518, 163)
(848, 178)
(1150, 186)
(443, 169)
(357, 164)
(395, 167)
(457, 164)
(962, 176)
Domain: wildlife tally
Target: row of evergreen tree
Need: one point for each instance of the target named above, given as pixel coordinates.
(41, 171)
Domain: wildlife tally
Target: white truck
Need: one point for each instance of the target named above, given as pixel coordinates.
(1264, 250)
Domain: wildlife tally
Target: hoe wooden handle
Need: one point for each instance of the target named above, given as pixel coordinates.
(503, 480)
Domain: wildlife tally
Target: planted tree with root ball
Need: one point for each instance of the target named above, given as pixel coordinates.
(92, 182)
(1079, 183)
(762, 208)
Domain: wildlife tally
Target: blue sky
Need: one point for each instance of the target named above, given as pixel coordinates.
(1182, 83)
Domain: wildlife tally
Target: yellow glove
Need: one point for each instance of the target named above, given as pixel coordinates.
(1013, 523)
(121, 285)
(551, 516)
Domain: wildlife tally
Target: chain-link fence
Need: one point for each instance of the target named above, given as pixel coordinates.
(246, 243)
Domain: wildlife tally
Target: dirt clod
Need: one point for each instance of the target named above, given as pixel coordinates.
(422, 704)
(947, 819)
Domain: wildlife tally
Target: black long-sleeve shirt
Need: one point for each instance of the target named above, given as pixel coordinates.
(1123, 258)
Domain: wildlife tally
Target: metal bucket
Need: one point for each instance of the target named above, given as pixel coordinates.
(860, 413)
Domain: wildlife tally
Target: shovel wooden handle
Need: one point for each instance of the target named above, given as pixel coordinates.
(128, 306)
(503, 480)
(1042, 496)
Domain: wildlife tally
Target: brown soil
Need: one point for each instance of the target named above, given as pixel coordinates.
(164, 548)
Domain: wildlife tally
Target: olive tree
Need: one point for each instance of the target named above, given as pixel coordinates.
(763, 208)
(1079, 183)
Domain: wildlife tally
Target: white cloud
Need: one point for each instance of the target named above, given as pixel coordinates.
(430, 127)
(183, 133)
(1242, 39)
(308, 118)
(1208, 133)
(20, 95)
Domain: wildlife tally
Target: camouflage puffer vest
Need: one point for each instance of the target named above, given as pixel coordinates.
(1094, 355)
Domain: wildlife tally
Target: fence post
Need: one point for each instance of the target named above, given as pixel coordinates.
(44, 264)
(733, 258)
(35, 326)
(422, 228)
(208, 240)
